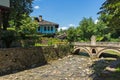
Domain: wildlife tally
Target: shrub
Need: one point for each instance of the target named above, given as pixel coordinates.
(8, 37)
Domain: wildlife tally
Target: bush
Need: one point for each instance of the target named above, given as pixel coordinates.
(65, 49)
(8, 37)
(30, 40)
(115, 40)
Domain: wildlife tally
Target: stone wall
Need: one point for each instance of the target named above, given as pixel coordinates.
(16, 59)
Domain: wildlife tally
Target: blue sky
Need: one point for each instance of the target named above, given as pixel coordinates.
(66, 12)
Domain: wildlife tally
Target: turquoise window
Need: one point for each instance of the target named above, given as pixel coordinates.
(51, 28)
(48, 28)
(45, 28)
(38, 28)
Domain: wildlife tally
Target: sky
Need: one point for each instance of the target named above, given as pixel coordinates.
(66, 12)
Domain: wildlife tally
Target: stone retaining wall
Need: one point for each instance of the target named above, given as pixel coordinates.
(16, 59)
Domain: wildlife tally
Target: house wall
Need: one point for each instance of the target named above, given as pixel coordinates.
(5, 3)
(48, 30)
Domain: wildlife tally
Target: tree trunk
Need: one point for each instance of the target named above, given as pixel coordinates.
(5, 20)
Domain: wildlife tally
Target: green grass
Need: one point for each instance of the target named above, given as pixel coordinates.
(113, 52)
(38, 44)
(10, 28)
(118, 69)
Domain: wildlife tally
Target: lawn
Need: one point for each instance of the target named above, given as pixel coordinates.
(113, 52)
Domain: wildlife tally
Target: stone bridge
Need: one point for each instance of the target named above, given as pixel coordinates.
(95, 49)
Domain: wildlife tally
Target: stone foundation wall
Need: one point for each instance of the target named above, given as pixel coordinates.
(16, 59)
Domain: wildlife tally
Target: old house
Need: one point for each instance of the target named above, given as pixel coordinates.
(47, 27)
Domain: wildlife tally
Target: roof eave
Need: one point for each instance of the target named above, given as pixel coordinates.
(4, 7)
(56, 25)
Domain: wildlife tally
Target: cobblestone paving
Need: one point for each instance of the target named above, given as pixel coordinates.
(72, 67)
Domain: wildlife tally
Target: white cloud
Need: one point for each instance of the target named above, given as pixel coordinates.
(73, 25)
(96, 21)
(36, 7)
(63, 28)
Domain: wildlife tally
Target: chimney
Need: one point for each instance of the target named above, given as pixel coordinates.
(40, 18)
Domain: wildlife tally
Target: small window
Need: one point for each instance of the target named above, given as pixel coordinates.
(51, 28)
(44, 28)
(48, 28)
(38, 28)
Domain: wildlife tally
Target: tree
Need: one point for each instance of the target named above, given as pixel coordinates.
(5, 17)
(29, 26)
(8, 37)
(102, 32)
(18, 8)
(110, 14)
(71, 34)
(86, 29)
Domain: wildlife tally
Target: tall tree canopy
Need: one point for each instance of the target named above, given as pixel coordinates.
(18, 8)
(71, 34)
(86, 28)
(110, 14)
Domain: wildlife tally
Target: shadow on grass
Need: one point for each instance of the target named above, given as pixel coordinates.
(77, 52)
(83, 54)
(100, 71)
(106, 55)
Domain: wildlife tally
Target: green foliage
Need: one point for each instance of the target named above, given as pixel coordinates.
(28, 27)
(112, 52)
(19, 7)
(11, 28)
(39, 44)
(115, 40)
(64, 50)
(110, 14)
(8, 37)
(102, 31)
(87, 27)
(28, 43)
(99, 38)
(71, 34)
(31, 41)
(19, 21)
(50, 43)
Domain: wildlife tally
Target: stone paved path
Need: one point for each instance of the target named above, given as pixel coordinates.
(69, 68)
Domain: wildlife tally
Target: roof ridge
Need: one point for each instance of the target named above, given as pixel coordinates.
(45, 22)
(49, 21)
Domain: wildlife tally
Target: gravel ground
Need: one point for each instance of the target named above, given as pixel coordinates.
(72, 67)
